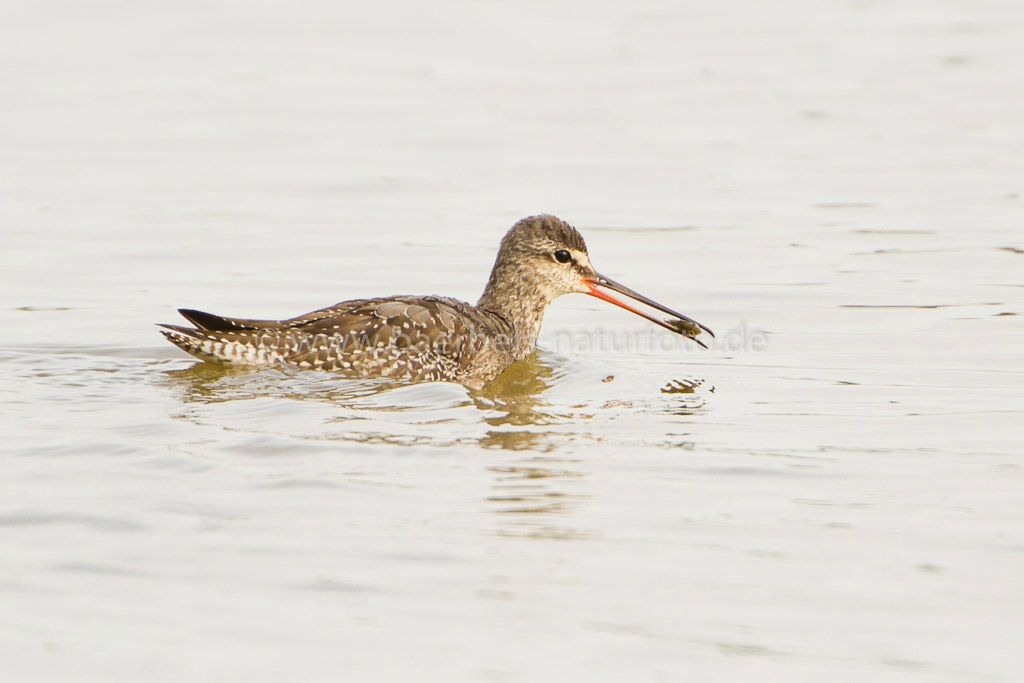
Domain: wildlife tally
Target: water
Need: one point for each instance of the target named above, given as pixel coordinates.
(832, 492)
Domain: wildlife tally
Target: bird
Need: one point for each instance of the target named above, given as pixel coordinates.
(429, 338)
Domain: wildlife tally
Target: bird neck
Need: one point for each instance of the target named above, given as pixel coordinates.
(510, 295)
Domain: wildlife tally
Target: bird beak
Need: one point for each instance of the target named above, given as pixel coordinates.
(680, 324)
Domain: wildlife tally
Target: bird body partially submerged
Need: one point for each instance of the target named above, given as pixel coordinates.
(416, 338)
(426, 338)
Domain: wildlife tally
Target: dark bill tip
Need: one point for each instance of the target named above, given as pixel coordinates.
(680, 324)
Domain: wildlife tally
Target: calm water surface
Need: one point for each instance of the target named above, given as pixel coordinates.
(832, 492)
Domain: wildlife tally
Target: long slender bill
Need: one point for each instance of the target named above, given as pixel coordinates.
(682, 324)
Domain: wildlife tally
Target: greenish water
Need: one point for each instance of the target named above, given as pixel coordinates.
(831, 492)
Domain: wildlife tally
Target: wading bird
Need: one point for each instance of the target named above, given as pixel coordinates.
(429, 338)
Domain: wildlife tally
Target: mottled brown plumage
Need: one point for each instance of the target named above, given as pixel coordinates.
(421, 338)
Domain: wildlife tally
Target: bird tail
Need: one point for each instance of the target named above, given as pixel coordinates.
(191, 341)
(216, 339)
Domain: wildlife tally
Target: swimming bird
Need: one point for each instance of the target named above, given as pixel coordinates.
(429, 338)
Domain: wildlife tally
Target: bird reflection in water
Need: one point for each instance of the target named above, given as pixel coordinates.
(211, 383)
(509, 406)
(532, 494)
(537, 497)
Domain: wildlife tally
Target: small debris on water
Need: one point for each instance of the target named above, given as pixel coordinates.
(682, 386)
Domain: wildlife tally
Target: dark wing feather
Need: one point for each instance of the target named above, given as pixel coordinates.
(210, 321)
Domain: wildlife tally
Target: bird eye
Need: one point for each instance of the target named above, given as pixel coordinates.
(562, 256)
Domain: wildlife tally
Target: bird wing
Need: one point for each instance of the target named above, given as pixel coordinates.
(414, 335)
